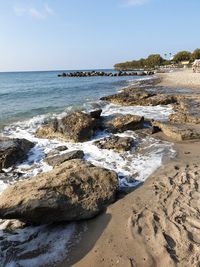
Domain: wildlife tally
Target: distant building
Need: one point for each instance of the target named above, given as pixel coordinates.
(185, 63)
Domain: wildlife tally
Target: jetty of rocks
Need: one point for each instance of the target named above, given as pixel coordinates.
(103, 73)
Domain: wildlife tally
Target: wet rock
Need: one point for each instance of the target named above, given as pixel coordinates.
(13, 151)
(123, 123)
(179, 132)
(11, 225)
(96, 114)
(61, 148)
(132, 97)
(47, 131)
(59, 159)
(127, 98)
(116, 143)
(103, 73)
(159, 99)
(76, 127)
(75, 190)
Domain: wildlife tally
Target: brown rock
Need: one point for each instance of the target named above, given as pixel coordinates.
(76, 127)
(179, 132)
(127, 98)
(56, 160)
(123, 123)
(75, 190)
(116, 143)
(132, 97)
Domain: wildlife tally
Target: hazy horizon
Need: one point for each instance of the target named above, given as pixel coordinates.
(47, 35)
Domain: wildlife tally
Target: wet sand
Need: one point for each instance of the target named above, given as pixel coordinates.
(158, 223)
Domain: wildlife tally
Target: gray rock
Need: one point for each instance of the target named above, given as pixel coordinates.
(13, 151)
(75, 190)
(59, 159)
(61, 148)
(116, 143)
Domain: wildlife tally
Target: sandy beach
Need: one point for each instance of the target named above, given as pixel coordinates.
(158, 223)
(184, 78)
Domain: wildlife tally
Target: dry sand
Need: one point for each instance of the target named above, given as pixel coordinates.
(158, 224)
(182, 78)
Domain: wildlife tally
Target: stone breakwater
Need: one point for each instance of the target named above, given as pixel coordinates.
(102, 73)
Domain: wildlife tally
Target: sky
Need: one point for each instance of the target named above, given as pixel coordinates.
(88, 34)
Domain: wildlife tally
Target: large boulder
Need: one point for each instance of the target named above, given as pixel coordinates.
(178, 132)
(13, 151)
(116, 143)
(75, 190)
(56, 160)
(76, 127)
(123, 123)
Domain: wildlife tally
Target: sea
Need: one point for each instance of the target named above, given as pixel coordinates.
(28, 99)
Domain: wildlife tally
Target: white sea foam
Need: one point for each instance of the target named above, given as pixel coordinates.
(160, 113)
(47, 244)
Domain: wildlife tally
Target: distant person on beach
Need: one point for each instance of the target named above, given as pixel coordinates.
(195, 65)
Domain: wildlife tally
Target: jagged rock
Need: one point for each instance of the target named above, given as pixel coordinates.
(123, 123)
(56, 160)
(13, 151)
(159, 99)
(181, 117)
(76, 127)
(128, 97)
(178, 132)
(131, 97)
(47, 131)
(96, 114)
(116, 143)
(75, 190)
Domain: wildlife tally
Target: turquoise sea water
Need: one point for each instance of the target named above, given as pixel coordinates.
(27, 94)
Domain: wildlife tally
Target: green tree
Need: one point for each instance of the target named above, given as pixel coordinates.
(154, 60)
(182, 56)
(196, 54)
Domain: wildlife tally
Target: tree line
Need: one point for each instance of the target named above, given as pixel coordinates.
(156, 60)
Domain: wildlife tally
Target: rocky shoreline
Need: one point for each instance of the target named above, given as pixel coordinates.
(76, 189)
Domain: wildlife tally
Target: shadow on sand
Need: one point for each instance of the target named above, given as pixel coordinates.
(79, 250)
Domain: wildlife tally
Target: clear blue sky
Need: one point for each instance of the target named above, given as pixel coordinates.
(78, 34)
